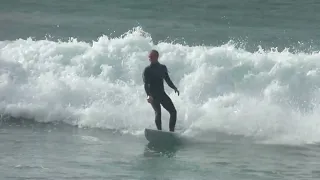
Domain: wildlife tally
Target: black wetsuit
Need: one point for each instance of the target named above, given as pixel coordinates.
(153, 76)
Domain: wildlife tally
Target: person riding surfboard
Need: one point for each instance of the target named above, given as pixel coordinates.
(153, 76)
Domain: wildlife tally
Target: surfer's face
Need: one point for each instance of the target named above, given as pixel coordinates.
(153, 57)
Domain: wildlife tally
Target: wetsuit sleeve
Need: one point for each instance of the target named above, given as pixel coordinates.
(146, 80)
(167, 79)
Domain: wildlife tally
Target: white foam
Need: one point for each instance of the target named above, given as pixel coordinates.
(264, 94)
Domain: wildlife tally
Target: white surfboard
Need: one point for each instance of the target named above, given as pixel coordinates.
(161, 137)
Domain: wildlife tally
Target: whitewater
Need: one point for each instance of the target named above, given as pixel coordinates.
(269, 95)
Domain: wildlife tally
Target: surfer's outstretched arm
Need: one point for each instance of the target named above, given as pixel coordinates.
(168, 80)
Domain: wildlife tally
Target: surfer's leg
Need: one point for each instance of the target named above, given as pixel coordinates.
(168, 105)
(157, 110)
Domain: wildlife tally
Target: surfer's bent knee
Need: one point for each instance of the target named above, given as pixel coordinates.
(173, 111)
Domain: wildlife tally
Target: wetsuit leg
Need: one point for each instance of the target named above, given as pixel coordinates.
(157, 110)
(166, 102)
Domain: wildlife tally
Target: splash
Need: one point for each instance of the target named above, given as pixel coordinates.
(271, 94)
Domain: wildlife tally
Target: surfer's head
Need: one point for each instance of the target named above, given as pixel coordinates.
(153, 56)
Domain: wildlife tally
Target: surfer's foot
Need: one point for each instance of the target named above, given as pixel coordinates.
(171, 127)
(172, 122)
(158, 124)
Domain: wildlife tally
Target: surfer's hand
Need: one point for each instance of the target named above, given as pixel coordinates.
(149, 99)
(176, 91)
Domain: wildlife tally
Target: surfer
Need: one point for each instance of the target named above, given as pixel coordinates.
(153, 76)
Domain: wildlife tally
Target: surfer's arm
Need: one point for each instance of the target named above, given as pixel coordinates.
(168, 80)
(146, 81)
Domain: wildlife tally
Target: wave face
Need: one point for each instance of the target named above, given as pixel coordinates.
(266, 94)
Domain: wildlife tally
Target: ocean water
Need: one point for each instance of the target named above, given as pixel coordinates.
(73, 106)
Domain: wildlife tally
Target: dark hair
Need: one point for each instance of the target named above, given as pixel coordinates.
(155, 51)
